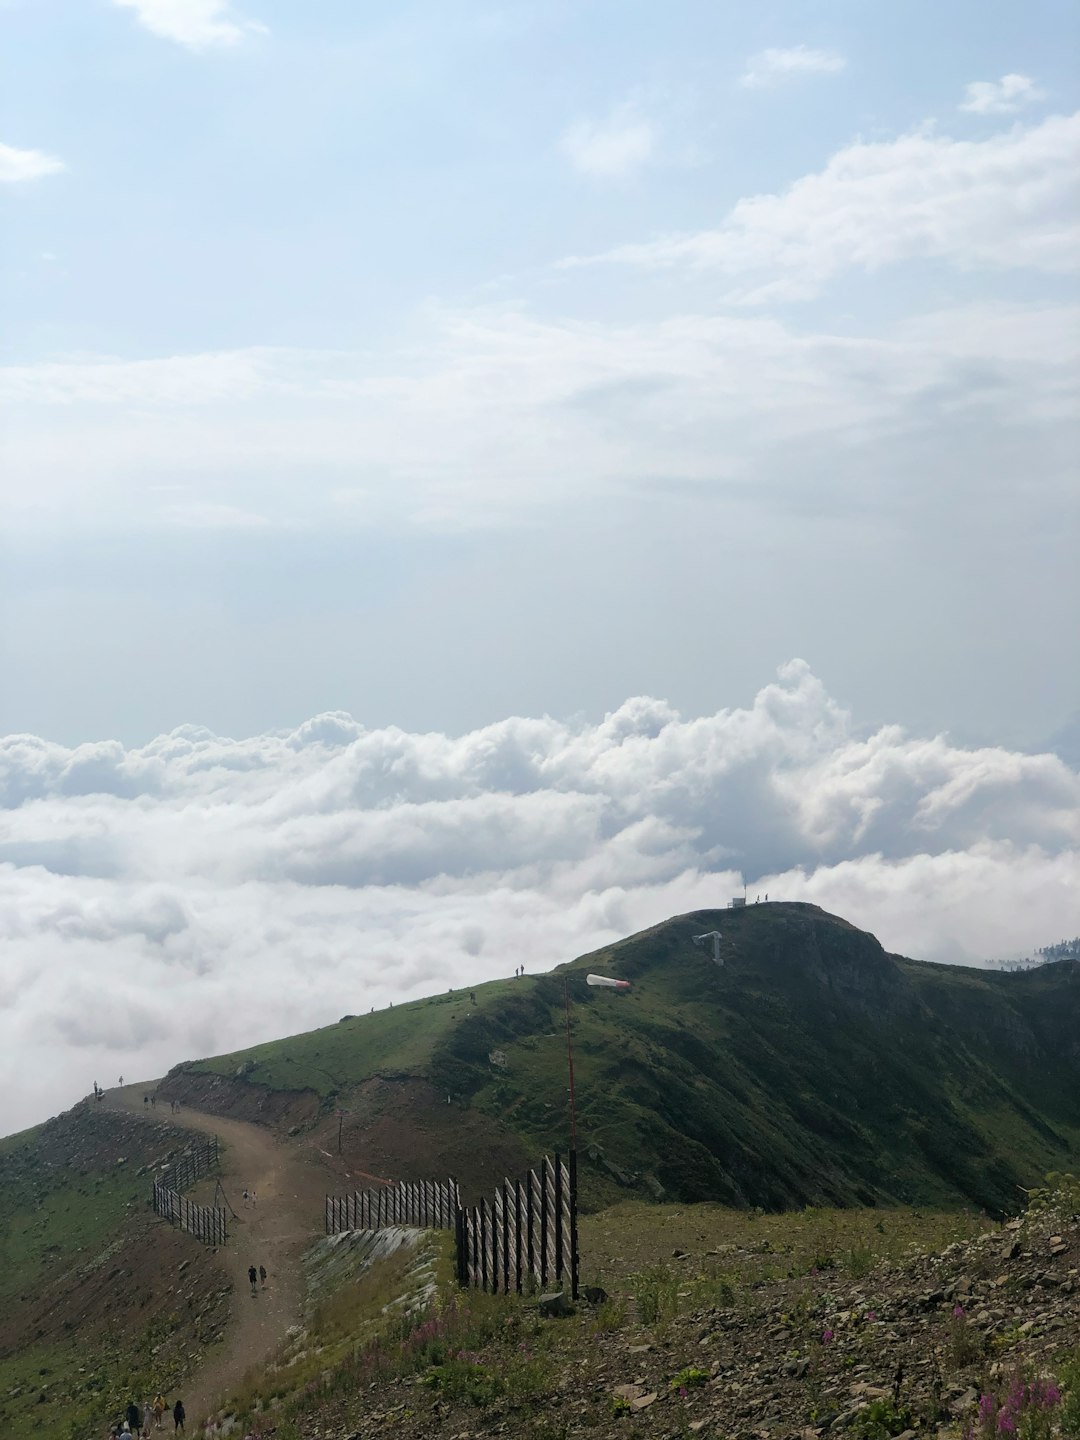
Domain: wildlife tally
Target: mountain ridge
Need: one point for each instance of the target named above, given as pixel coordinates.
(812, 1066)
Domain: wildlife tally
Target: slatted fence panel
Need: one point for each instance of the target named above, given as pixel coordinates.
(427, 1204)
(526, 1234)
(206, 1222)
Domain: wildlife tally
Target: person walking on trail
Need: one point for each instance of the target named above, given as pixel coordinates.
(262, 1274)
(253, 1275)
(134, 1419)
(159, 1409)
(178, 1415)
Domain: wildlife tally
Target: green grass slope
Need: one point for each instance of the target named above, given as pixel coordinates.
(99, 1302)
(811, 1067)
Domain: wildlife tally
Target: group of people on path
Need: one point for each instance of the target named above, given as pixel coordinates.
(149, 1100)
(136, 1422)
(256, 1276)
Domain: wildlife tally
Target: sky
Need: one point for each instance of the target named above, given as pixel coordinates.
(478, 478)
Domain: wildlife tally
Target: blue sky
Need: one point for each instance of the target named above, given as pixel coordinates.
(393, 399)
(337, 334)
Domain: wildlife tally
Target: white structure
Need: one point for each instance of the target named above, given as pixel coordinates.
(738, 903)
(714, 936)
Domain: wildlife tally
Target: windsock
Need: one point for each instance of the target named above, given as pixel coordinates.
(607, 983)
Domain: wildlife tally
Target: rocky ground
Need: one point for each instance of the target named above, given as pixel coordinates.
(908, 1349)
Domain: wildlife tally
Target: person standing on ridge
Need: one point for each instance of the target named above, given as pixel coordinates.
(253, 1275)
(262, 1274)
(178, 1415)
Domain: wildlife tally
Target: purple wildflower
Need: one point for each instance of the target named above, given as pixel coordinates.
(826, 1336)
(958, 1312)
(1006, 1424)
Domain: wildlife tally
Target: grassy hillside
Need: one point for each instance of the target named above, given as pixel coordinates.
(98, 1302)
(811, 1067)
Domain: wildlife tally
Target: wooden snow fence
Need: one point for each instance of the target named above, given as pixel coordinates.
(426, 1204)
(204, 1222)
(526, 1234)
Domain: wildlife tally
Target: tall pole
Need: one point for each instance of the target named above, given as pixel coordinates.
(570, 1066)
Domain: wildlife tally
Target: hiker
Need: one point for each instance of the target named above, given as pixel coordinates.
(153, 1101)
(121, 1082)
(245, 1197)
(134, 1419)
(159, 1409)
(262, 1274)
(146, 1099)
(253, 1275)
(254, 1198)
(178, 1415)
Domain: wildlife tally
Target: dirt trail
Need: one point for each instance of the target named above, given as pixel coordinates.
(273, 1231)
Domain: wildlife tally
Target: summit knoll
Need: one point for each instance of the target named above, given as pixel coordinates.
(809, 1067)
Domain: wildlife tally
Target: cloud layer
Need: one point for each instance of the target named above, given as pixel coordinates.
(18, 166)
(770, 67)
(1006, 202)
(200, 893)
(613, 148)
(195, 24)
(477, 429)
(1001, 97)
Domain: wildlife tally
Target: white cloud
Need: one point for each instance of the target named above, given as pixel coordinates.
(200, 893)
(611, 149)
(1001, 97)
(196, 24)
(1007, 202)
(17, 166)
(474, 426)
(769, 67)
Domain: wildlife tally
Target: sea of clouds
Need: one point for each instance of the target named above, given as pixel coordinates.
(199, 893)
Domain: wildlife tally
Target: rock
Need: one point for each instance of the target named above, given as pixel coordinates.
(628, 1392)
(554, 1304)
(594, 1294)
(644, 1401)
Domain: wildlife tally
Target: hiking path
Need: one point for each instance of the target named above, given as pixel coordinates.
(273, 1230)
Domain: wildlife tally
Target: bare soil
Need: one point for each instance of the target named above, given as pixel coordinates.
(283, 1215)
